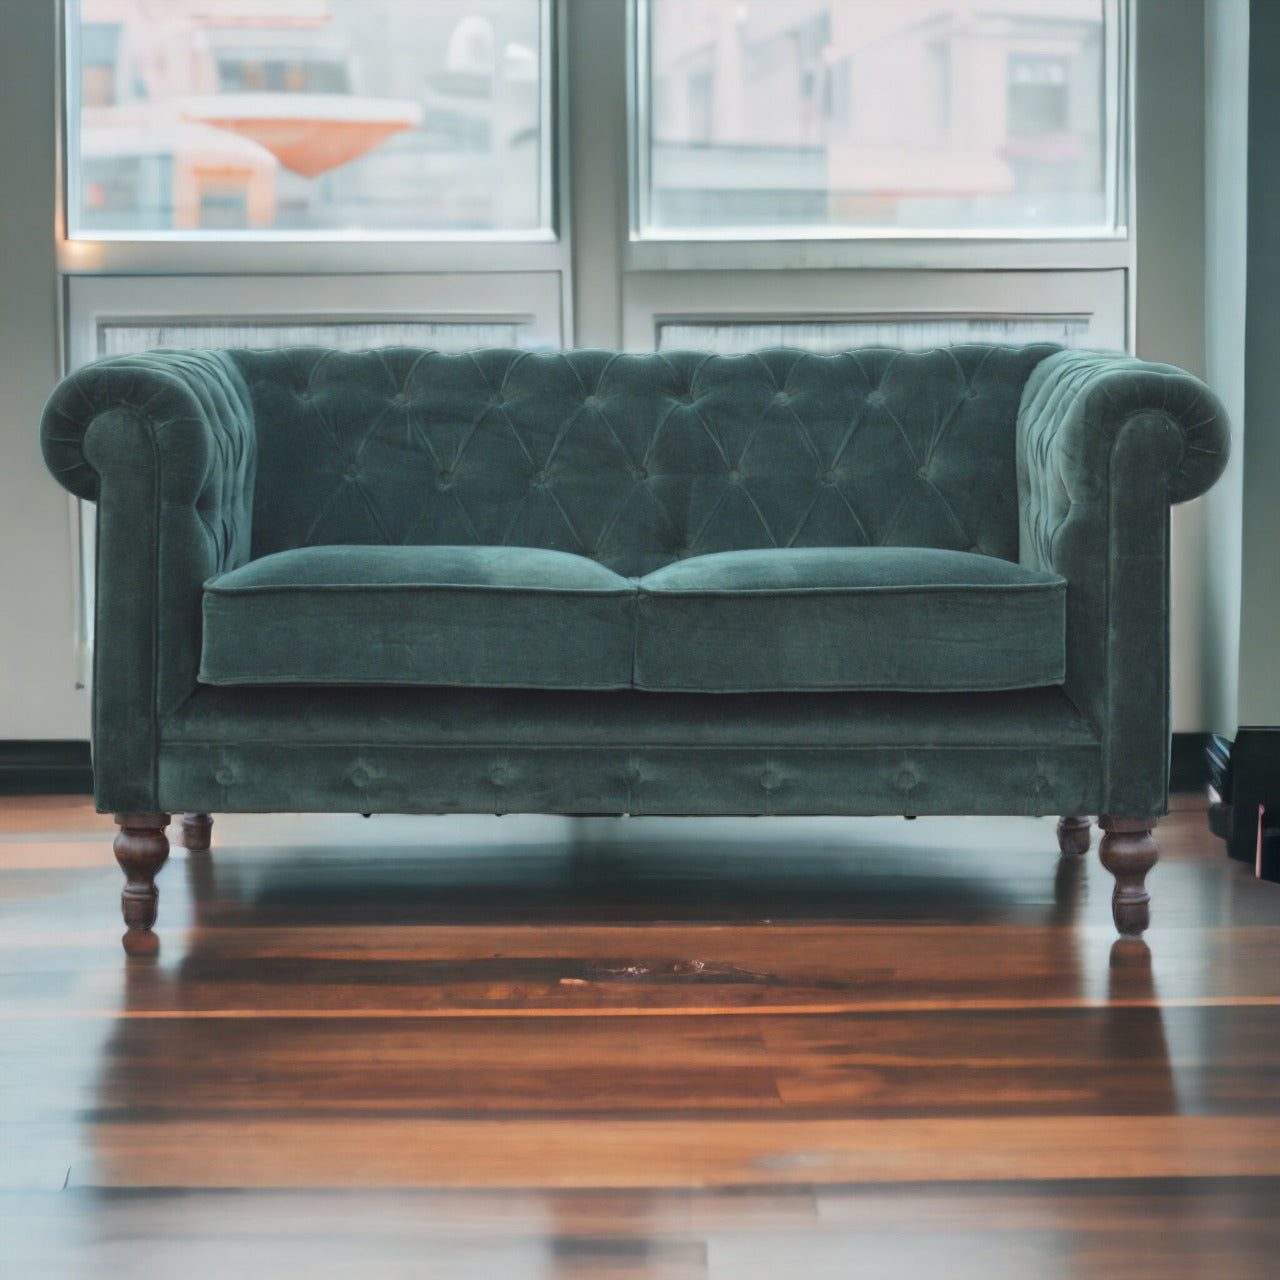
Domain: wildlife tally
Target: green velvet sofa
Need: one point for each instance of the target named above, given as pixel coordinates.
(592, 583)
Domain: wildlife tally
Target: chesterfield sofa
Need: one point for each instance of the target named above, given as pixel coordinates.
(592, 583)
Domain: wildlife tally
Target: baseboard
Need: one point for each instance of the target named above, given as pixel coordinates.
(1188, 766)
(38, 767)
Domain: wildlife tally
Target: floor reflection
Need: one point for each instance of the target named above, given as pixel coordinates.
(649, 1050)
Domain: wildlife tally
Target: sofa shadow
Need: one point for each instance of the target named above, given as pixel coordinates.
(603, 877)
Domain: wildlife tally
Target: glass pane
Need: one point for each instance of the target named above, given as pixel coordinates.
(330, 117)
(911, 333)
(878, 116)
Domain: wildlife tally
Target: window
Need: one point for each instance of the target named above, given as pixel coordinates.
(810, 168)
(826, 172)
(311, 167)
(844, 117)
(322, 117)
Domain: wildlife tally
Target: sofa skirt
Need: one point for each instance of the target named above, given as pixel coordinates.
(397, 750)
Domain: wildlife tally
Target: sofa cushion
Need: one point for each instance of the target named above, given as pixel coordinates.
(909, 619)
(420, 615)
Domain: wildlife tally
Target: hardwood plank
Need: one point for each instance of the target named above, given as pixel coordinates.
(1061, 1063)
(707, 970)
(512, 1152)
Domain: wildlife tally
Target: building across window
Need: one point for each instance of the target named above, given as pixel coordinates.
(767, 118)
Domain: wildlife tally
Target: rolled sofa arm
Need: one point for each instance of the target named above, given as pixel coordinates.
(1105, 444)
(165, 444)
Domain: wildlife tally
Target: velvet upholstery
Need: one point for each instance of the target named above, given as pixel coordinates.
(909, 619)
(498, 617)
(1061, 463)
(1105, 444)
(634, 460)
(773, 620)
(166, 445)
(535, 751)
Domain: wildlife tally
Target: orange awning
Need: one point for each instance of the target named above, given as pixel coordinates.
(310, 133)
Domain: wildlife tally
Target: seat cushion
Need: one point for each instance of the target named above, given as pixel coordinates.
(856, 618)
(428, 615)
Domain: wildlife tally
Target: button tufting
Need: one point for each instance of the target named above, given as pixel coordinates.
(225, 776)
(770, 780)
(359, 777)
(906, 780)
(498, 775)
(431, 445)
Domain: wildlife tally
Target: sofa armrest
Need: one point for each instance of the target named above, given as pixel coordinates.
(1105, 444)
(165, 444)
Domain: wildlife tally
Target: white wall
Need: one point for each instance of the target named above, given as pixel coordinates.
(1169, 280)
(38, 698)
(1226, 226)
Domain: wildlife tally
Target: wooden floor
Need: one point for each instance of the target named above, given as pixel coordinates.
(655, 1048)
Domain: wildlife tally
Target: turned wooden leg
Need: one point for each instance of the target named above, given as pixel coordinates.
(1073, 835)
(141, 849)
(1129, 851)
(197, 832)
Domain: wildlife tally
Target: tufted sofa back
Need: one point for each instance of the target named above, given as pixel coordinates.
(638, 460)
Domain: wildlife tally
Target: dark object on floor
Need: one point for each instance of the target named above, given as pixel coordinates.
(1245, 774)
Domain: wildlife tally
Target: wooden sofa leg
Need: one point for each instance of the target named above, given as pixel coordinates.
(1074, 835)
(141, 849)
(1128, 850)
(197, 832)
